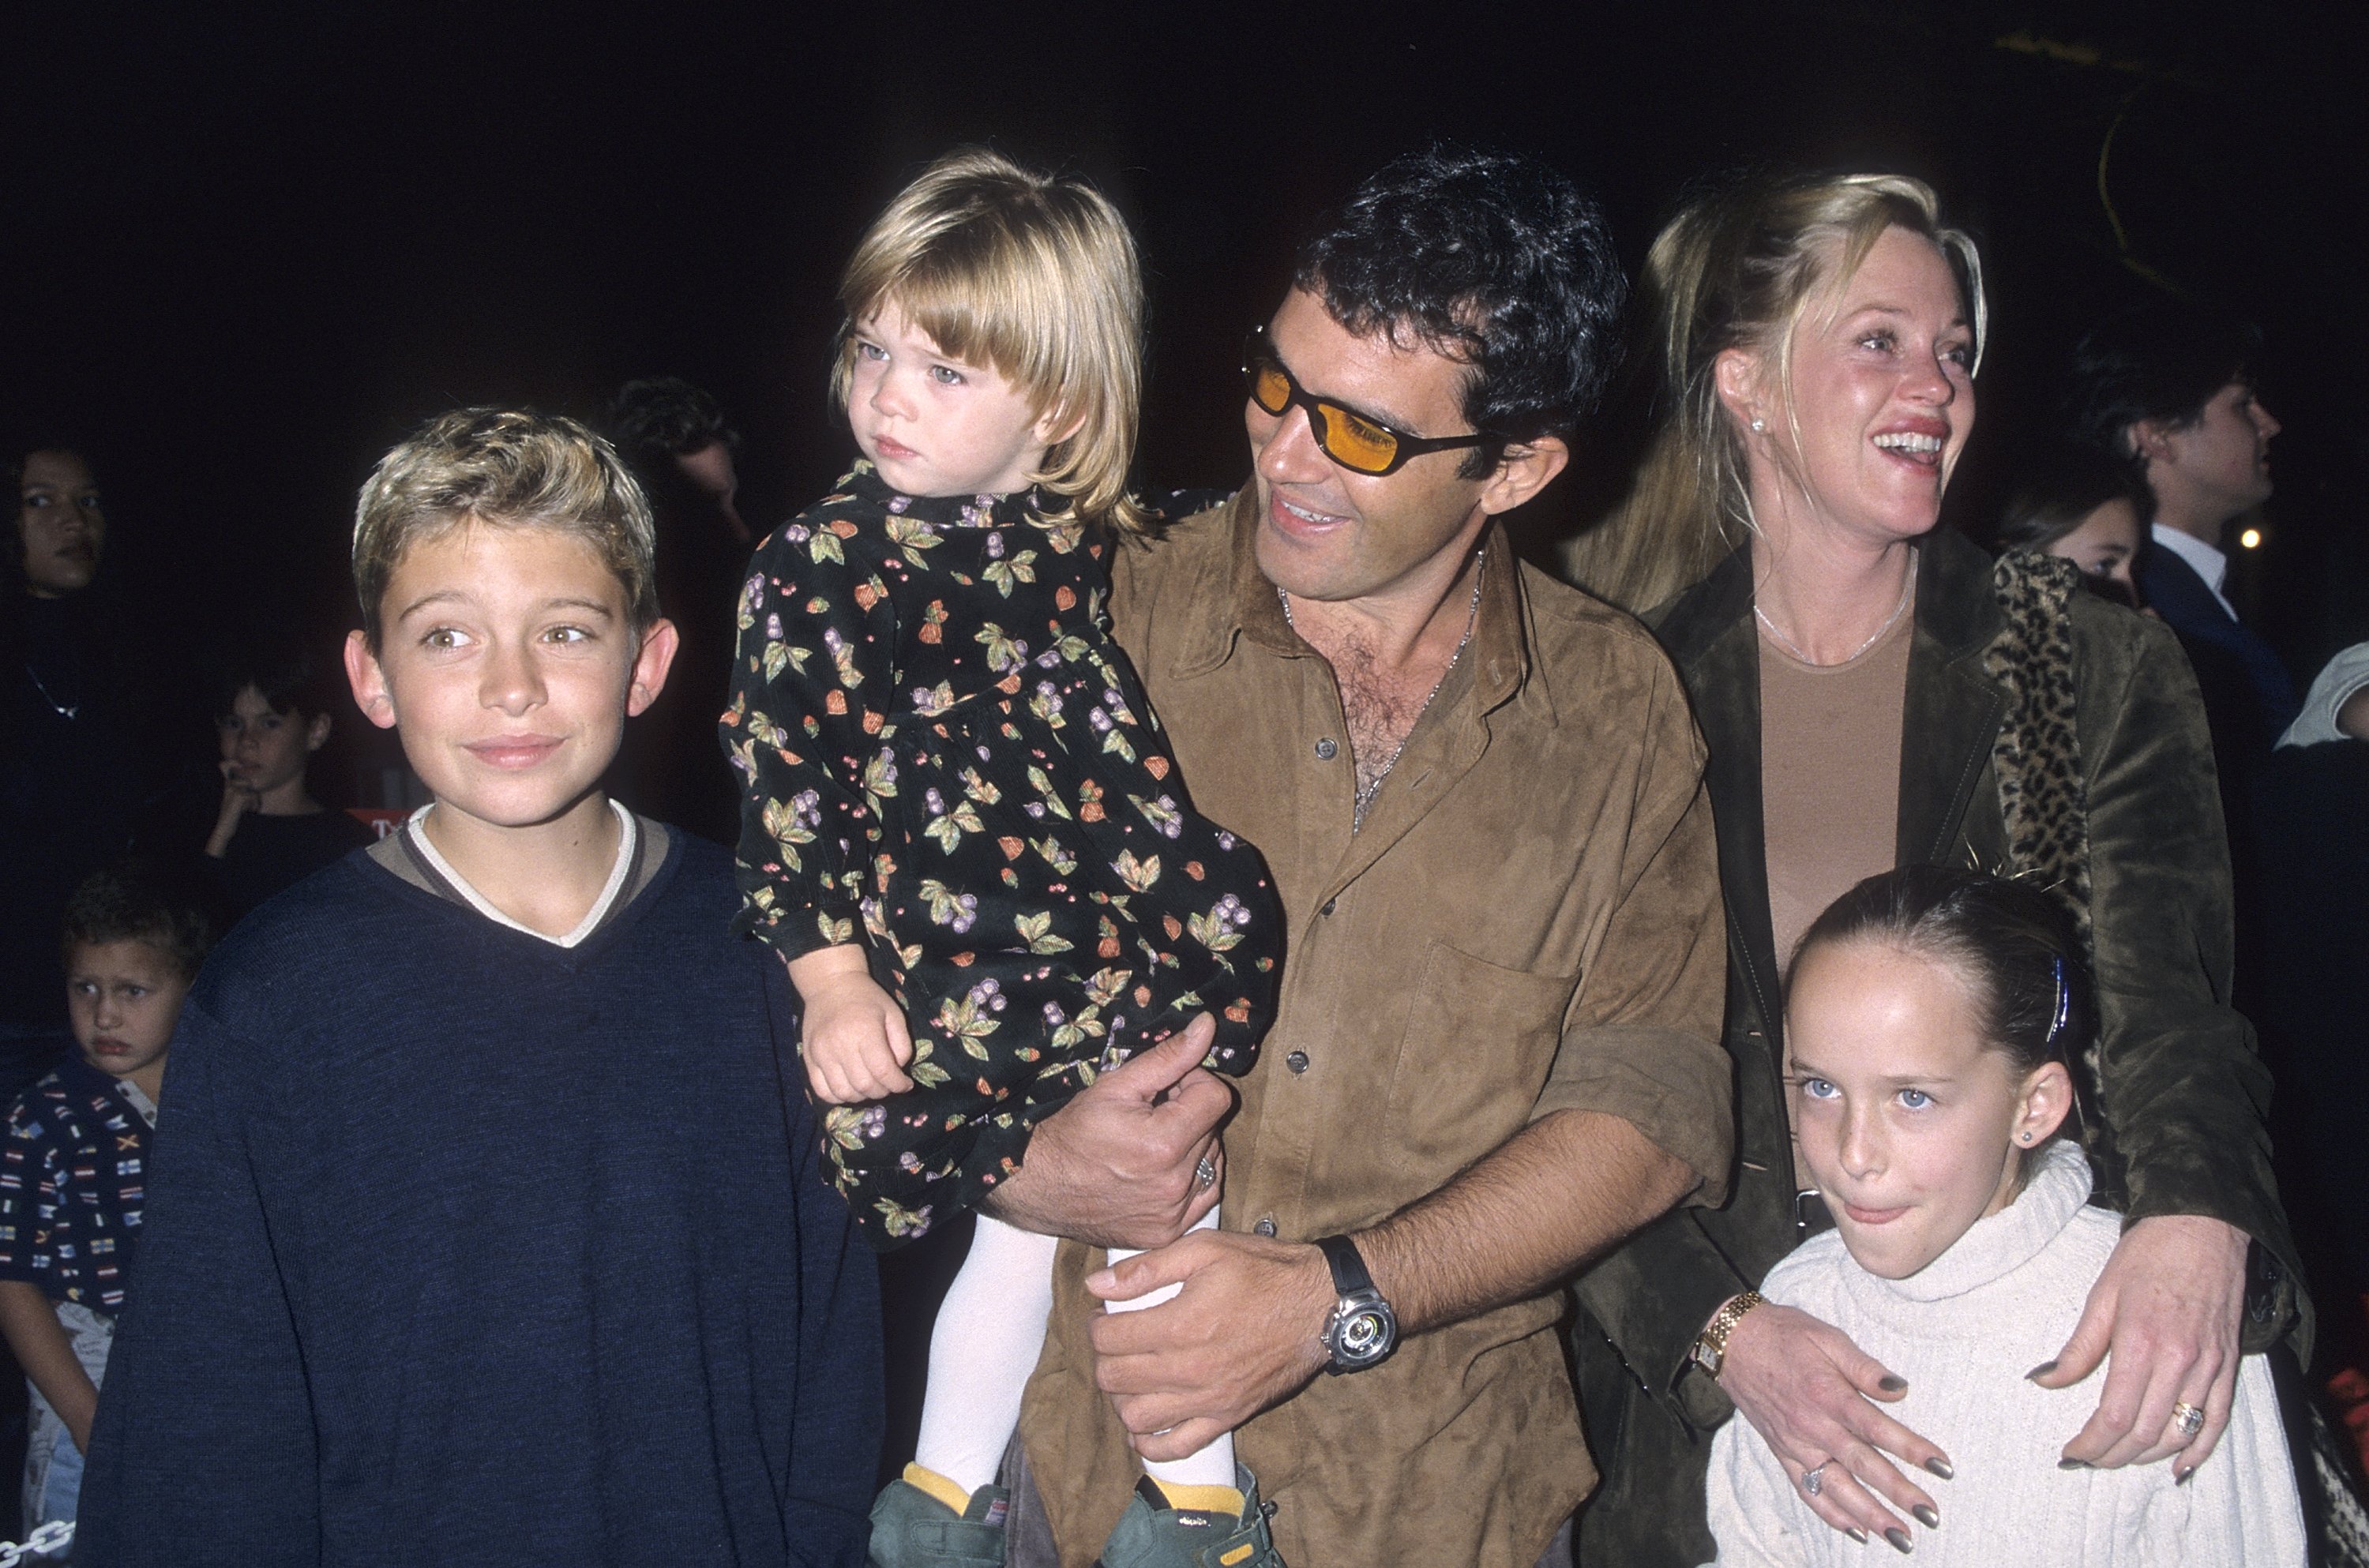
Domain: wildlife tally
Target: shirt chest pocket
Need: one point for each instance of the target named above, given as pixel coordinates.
(1479, 1043)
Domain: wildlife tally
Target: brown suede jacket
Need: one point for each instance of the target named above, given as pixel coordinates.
(2184, 1093)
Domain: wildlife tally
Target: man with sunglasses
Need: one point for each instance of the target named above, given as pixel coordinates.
(1479, 793)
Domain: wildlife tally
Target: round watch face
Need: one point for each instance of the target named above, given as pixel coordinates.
(1363, 1336)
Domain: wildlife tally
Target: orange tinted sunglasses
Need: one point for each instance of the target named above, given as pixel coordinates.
(1358, 442)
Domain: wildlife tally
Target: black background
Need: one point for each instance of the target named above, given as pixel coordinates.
(246, 247)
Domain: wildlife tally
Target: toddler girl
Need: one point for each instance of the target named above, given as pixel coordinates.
(1929, 1019)
(960, 824)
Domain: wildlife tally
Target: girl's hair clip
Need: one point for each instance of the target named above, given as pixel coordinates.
(2064, 1001)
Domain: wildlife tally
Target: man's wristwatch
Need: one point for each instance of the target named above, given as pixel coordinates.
(1711, 1351)
(1362, 1331)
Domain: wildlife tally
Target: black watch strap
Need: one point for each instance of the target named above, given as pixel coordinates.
(1348, 1263)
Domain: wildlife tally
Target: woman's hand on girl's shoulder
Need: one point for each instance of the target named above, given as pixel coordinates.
(1807, 1391)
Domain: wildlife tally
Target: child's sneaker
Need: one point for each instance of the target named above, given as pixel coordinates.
(912, 1528)
(1151, 1534)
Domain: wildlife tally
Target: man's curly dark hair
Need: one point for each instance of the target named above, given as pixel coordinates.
(663, 416)
(1489, 258)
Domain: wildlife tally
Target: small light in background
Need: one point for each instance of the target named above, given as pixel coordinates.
(2251, 540)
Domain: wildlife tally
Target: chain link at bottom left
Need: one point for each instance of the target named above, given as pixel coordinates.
(47, 1542)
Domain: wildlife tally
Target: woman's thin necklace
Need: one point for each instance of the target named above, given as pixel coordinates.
(1888, 622)
(1361, 798)
(64, 710)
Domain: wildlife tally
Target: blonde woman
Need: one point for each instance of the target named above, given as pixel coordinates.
(1873, 693)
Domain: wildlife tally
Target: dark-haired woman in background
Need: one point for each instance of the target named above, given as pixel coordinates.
(2084, 507)
(1873, 693)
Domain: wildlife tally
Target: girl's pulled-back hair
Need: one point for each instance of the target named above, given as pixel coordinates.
(2061, 492)
(1034, 275)
(1736, 269)
(2012, 946)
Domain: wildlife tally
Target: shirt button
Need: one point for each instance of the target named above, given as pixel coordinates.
(1330, 904)
(1296, 1061)
(1326, 750)
(1265, 1226)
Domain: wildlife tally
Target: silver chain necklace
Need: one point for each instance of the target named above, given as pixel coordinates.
(1362, 797)
(64, 710)
(1888, 622)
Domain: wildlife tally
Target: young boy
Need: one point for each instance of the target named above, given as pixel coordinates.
(75, 1159)
(272, 713)
(485, 1228)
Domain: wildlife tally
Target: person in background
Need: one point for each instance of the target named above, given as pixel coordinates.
(2085, 507)
(2172, 386)
(675, 438)
(73, 1167)
(271, 714)
(1932, 1014)
(1877, 691)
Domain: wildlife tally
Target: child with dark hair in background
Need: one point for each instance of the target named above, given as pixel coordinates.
(73, 1165)
(272, 713)
(1931, 1018)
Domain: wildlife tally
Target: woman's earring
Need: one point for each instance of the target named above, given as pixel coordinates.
(2023, 1137)
(1759, 424)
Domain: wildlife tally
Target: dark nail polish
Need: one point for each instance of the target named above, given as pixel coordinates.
(1941, 1468)
(2072, 1464)
(2183, 1478)
(2042, 1370)
(1858, 1535)
(1899, 1538)
(1928, 1516)
(1890, 1384)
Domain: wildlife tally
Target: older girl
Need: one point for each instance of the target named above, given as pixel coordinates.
(1931, 1014)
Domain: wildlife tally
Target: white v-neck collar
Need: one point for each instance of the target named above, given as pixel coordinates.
(628, 842)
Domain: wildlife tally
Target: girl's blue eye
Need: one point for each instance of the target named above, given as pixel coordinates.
(1819, 1089)
(945, 375)
(1914, 1099)
(870, 351)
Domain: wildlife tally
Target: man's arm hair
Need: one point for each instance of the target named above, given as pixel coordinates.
(1558, 1193)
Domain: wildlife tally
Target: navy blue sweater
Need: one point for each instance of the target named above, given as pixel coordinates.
(465, 1248)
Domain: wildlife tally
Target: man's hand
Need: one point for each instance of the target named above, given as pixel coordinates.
(1805, 1388)
(1116, 1167)
(851, 1035)
(1239, 1337)
(2168, 1308)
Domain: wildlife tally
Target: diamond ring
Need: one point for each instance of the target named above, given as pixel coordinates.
(1206, 1174)
(1814, 1480)
(2188, 1418)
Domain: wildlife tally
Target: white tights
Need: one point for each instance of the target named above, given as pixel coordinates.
(985, 1346)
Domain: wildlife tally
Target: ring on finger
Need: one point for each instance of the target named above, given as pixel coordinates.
(1204, 1175)
(1814, 1480)
(2188, 1418)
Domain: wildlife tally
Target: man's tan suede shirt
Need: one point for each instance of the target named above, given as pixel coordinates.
(1528, 922)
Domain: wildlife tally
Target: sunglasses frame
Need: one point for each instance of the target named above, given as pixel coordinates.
(1258, 351)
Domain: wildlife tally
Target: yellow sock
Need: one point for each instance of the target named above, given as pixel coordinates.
(954, 1496)
(1201, 1499)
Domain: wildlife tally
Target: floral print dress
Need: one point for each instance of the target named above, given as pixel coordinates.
(944, 756)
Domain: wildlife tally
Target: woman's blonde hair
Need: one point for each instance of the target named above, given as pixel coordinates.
(1737, 268)
(1034, 275)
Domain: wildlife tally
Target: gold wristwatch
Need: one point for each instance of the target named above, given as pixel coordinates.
(1711, 1351)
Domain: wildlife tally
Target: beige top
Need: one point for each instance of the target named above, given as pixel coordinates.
(1829, 775)
(1529, 922)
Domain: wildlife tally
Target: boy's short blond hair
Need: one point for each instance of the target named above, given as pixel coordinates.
(508, 468)
(1034, 275)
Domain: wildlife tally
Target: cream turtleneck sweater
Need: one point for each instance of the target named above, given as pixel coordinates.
(1963, 1330)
